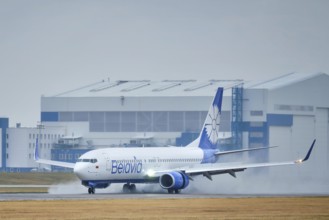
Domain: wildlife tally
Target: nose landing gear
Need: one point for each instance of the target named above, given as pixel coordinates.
(91, 190)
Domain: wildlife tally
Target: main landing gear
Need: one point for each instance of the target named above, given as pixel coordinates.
(172, 191)
(129, 188)
(91, 190)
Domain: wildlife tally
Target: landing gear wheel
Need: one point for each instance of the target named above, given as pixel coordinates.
(91, 190)
(132, 188)
(177, 191)
(129, 188)
(170, 191)
(125, 188)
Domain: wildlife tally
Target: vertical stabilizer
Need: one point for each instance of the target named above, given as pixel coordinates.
(210, 131)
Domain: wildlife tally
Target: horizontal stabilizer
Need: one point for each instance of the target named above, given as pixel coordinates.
(243, 150)
(50, 162)
(56, 163)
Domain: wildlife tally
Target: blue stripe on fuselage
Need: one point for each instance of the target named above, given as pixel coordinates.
(95, 182)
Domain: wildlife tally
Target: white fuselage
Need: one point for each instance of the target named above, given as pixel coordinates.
(134, 164)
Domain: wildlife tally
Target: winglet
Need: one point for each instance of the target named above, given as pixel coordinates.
(36, 150)
(309, 152)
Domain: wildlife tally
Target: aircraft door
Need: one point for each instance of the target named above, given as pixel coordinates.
(108, 165)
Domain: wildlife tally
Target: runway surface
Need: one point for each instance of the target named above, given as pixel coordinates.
(107, 196)
(46, 196)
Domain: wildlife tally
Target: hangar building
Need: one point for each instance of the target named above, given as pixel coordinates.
(288, 111)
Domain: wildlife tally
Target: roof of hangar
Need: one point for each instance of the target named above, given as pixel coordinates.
(107, 88)
(281, 81)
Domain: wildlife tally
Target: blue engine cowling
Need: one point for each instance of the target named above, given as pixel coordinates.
(174, 180)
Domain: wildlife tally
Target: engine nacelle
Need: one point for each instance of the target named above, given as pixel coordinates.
(174, 180)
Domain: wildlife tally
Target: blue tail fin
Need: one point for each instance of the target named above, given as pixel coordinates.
(210, 130)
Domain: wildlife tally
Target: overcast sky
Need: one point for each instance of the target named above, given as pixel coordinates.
(48, 46)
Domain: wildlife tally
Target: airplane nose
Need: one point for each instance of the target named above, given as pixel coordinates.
(79, 170)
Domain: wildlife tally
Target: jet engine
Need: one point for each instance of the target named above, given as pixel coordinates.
(174, 181)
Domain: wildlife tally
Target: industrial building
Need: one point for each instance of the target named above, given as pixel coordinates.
(288, 111)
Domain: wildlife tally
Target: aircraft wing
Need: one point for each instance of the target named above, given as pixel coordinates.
(220, 168)
(55, 163)
(231, 168)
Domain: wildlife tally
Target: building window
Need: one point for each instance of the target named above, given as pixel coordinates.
(160, 121)
(66, 116)
(225, 121)
(112, 121)
(7, 145)
(30, 136)
(7, 156)
(144, 121)
(294, 108)
(80, 116)
(33, 136)
(256, 134)
(128, 121)
(7, 136)
(176, 122)
(192, 121)
(149, 121)
(256, 113)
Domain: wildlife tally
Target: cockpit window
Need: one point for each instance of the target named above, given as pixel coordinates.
(87, 160)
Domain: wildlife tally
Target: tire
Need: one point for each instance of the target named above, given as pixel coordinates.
(125, 188)
(132, 188)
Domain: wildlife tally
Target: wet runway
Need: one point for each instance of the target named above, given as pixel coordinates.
(107, 196)
(99, 196)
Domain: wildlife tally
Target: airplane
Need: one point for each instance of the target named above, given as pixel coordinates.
(171, 167)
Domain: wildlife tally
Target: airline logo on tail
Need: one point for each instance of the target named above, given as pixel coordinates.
(210, 130)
